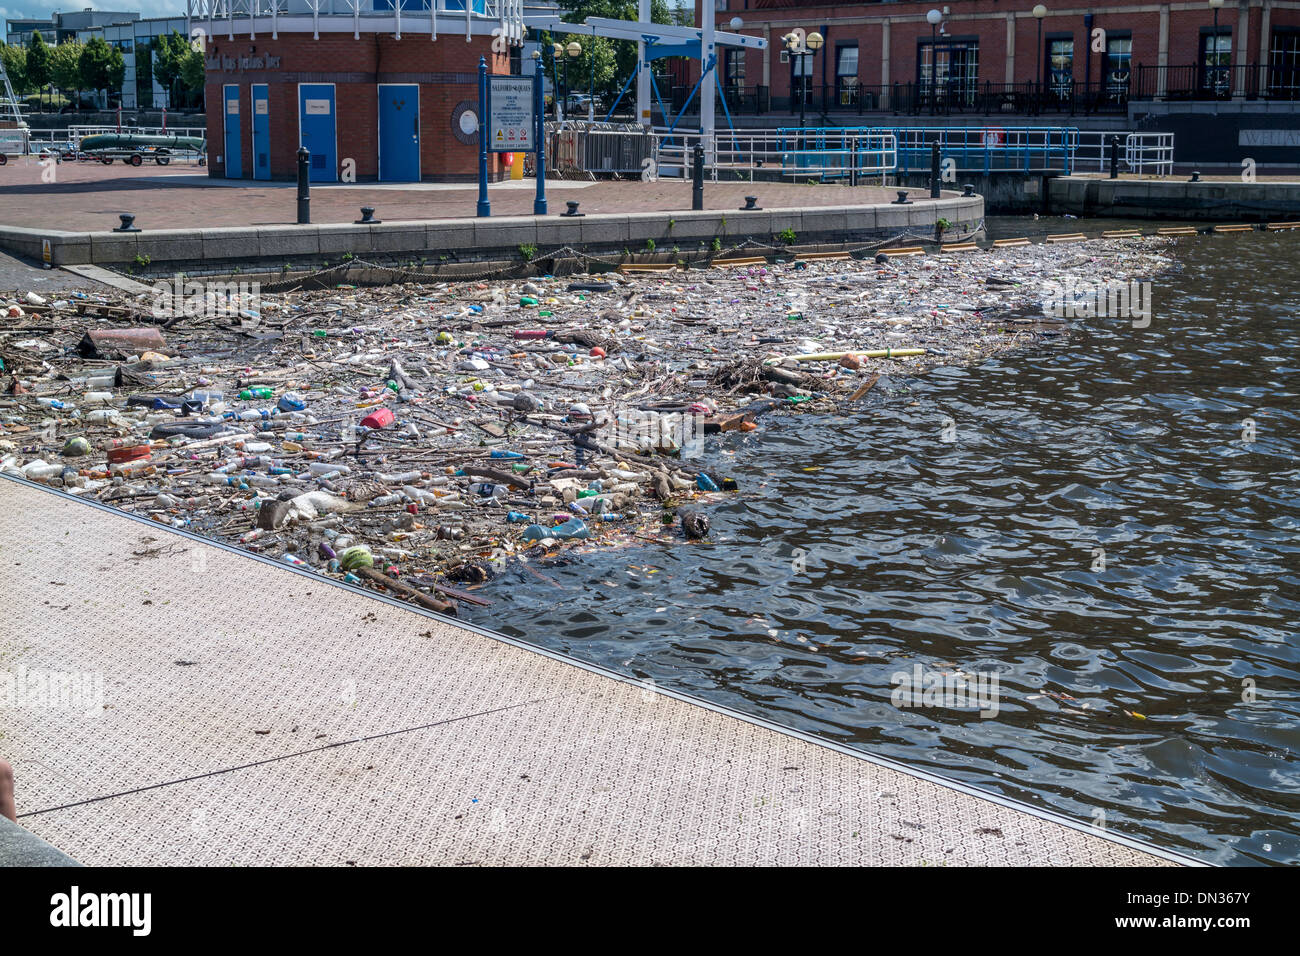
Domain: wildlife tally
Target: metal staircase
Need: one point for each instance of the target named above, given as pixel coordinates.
(13, 123)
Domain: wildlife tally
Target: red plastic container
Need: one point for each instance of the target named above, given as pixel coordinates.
(118, 456)
(379, 418)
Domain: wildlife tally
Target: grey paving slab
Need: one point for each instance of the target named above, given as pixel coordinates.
(225, 710)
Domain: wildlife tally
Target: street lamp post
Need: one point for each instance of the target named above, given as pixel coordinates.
(574, 49)
(556, 52)
(803, 48)
(1039, 12)
(539, 130)
(1214, 5)
(933, 17)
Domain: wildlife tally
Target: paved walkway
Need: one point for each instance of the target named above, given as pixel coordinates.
(225, 710)
(88, 197)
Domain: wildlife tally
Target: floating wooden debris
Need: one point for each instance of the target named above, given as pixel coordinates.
(812, 256)
(903, 251)
(1234, 227)
(647, 267)
(1276, 226)
(1176, 231)
(1121, 234)
(1067, 237)
(1004, 243)
(959, 247)
(740, 261)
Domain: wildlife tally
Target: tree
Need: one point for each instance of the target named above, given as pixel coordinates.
(15, 61)
(194, 74)
(169, 54)
(615, 60)
(65, 68)
(102, 67)
(38, 61)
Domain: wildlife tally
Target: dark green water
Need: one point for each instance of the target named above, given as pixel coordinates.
(1162, 691)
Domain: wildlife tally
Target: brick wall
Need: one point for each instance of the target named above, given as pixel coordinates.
(446, 71)
(987, 21)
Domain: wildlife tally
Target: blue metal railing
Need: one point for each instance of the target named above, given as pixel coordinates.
(973, 148)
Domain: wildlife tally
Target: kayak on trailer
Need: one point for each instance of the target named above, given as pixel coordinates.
(98, 141)
(132, 148)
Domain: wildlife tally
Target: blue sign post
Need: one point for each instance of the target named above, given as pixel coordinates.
(484, 206)
(539, 106)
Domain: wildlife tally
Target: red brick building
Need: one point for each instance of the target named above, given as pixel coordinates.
(375, 94)
(998, 55)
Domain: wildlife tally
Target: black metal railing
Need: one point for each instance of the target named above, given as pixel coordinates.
(845, 97)
(1207, 81)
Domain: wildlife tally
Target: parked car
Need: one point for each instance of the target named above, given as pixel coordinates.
(575, 104)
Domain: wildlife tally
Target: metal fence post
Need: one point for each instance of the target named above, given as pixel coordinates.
(697, 171)
(304, 187)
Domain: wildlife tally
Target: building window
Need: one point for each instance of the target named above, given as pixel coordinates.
(1060, 68)
(1284, 65)
(948, 70)
(846, 75)
(1117, 67)
(735, 68)
(1214, 75)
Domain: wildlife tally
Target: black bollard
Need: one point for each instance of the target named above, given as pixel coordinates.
(1114, 157)
(902, 199)
(934, 170)
(968, 189)
(367, 217)
(697, 187)
(304, 187)
(751, 204)
(128, 223)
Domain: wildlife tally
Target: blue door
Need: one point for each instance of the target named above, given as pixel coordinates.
(234, 145)
(399, 132)
(261, 131)
(316, 130)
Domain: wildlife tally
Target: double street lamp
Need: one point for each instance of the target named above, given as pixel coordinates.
(1039, 12)
(933, 18)
(1215, 77)
(803, 47)
(574, 49)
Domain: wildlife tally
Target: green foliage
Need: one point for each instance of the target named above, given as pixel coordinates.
(527, 251)
(102, 66)
(615, 60)
(716, 244)
(943, 224)
(175, 63)
(15, 60)
(649, 245)
(65, 66)
(787, 236)
(38, 60)
(192, 70)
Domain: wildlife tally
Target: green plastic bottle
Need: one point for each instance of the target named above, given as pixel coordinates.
(251, 393)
